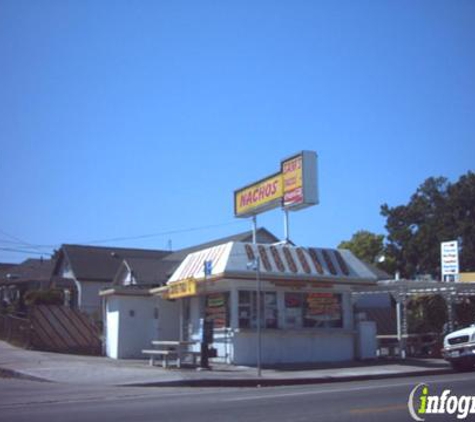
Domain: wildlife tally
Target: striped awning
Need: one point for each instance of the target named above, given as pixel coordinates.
(279, 260)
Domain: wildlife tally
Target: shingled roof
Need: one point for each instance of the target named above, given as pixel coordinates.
(172, 261)
(98, 263)
(29, 270)
(145, 271)
(6, 269)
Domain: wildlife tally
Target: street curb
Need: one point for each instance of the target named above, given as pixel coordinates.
(278, 382)
(11, 373)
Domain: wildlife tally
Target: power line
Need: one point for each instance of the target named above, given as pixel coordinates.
(19, 242)
(14, 237)
(166, 233)
(24, 251)
(5, 242)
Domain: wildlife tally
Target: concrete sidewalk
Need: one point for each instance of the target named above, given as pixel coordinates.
(74, 369)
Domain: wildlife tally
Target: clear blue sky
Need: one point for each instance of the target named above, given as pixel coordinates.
(127, 118)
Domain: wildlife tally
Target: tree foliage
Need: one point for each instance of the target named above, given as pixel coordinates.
(365, 245)
(44, 297)
(370, 247)
(438, 211)
(426, 314)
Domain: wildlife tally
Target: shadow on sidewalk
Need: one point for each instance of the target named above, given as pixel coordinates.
(412, 362)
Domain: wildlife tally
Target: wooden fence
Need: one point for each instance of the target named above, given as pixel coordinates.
(15, 330)
(62, 329)
(53, 328)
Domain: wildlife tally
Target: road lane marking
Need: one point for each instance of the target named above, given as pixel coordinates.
(383, 409)
(275, 395)
(313, 392)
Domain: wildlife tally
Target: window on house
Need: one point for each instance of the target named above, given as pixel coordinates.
(247, 310)
(244, 310)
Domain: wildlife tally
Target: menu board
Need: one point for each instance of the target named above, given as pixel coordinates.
(217, 309)
(323, 307)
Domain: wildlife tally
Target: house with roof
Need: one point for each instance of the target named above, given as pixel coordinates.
(133, 317)
(82, 271)
(17, 279)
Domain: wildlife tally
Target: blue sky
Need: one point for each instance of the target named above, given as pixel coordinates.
(136, 120)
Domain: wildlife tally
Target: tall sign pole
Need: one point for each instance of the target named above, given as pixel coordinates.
(449, 256)
(293, 188)
(258, 304)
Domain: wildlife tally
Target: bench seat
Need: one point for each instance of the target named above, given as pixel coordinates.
(164, 354)
(169, 354)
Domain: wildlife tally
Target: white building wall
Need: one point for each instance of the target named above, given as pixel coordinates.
(132, 322)
(239, 346)
(138, 325)
(112, 326)
(282, 346)
(193, 324)
(367, 343)
(168, 319)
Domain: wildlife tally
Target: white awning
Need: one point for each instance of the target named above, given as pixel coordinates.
(280, 261)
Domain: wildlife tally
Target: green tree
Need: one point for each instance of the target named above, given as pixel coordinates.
(426, 314)
(437, 212)
(370, 247)
(365, 245)
(461, 219)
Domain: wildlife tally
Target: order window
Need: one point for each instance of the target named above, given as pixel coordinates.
(247, 309)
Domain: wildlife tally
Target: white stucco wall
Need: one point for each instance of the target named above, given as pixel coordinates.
(169, 319)
(134, 321)
(367, 343)
(282, 346)
(238, 346)
(112, 326)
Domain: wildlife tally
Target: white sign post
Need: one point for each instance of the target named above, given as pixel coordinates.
(449, 255)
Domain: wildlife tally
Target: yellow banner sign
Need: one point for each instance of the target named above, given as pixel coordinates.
(258, 197)
(182, 288)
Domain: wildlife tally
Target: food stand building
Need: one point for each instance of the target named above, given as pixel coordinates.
(305, 301)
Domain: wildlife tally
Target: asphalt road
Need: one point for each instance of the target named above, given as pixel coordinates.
(382, 400)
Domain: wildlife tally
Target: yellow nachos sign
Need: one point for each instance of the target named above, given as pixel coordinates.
(259, 197)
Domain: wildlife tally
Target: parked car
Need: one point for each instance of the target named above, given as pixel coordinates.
(459, 348)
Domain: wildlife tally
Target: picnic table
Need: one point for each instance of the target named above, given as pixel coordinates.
(168, 350)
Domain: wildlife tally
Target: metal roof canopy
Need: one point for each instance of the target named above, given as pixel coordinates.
(277, 261)
(404, 287)
(400, 290)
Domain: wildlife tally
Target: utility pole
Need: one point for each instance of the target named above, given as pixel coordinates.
(258, 300)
